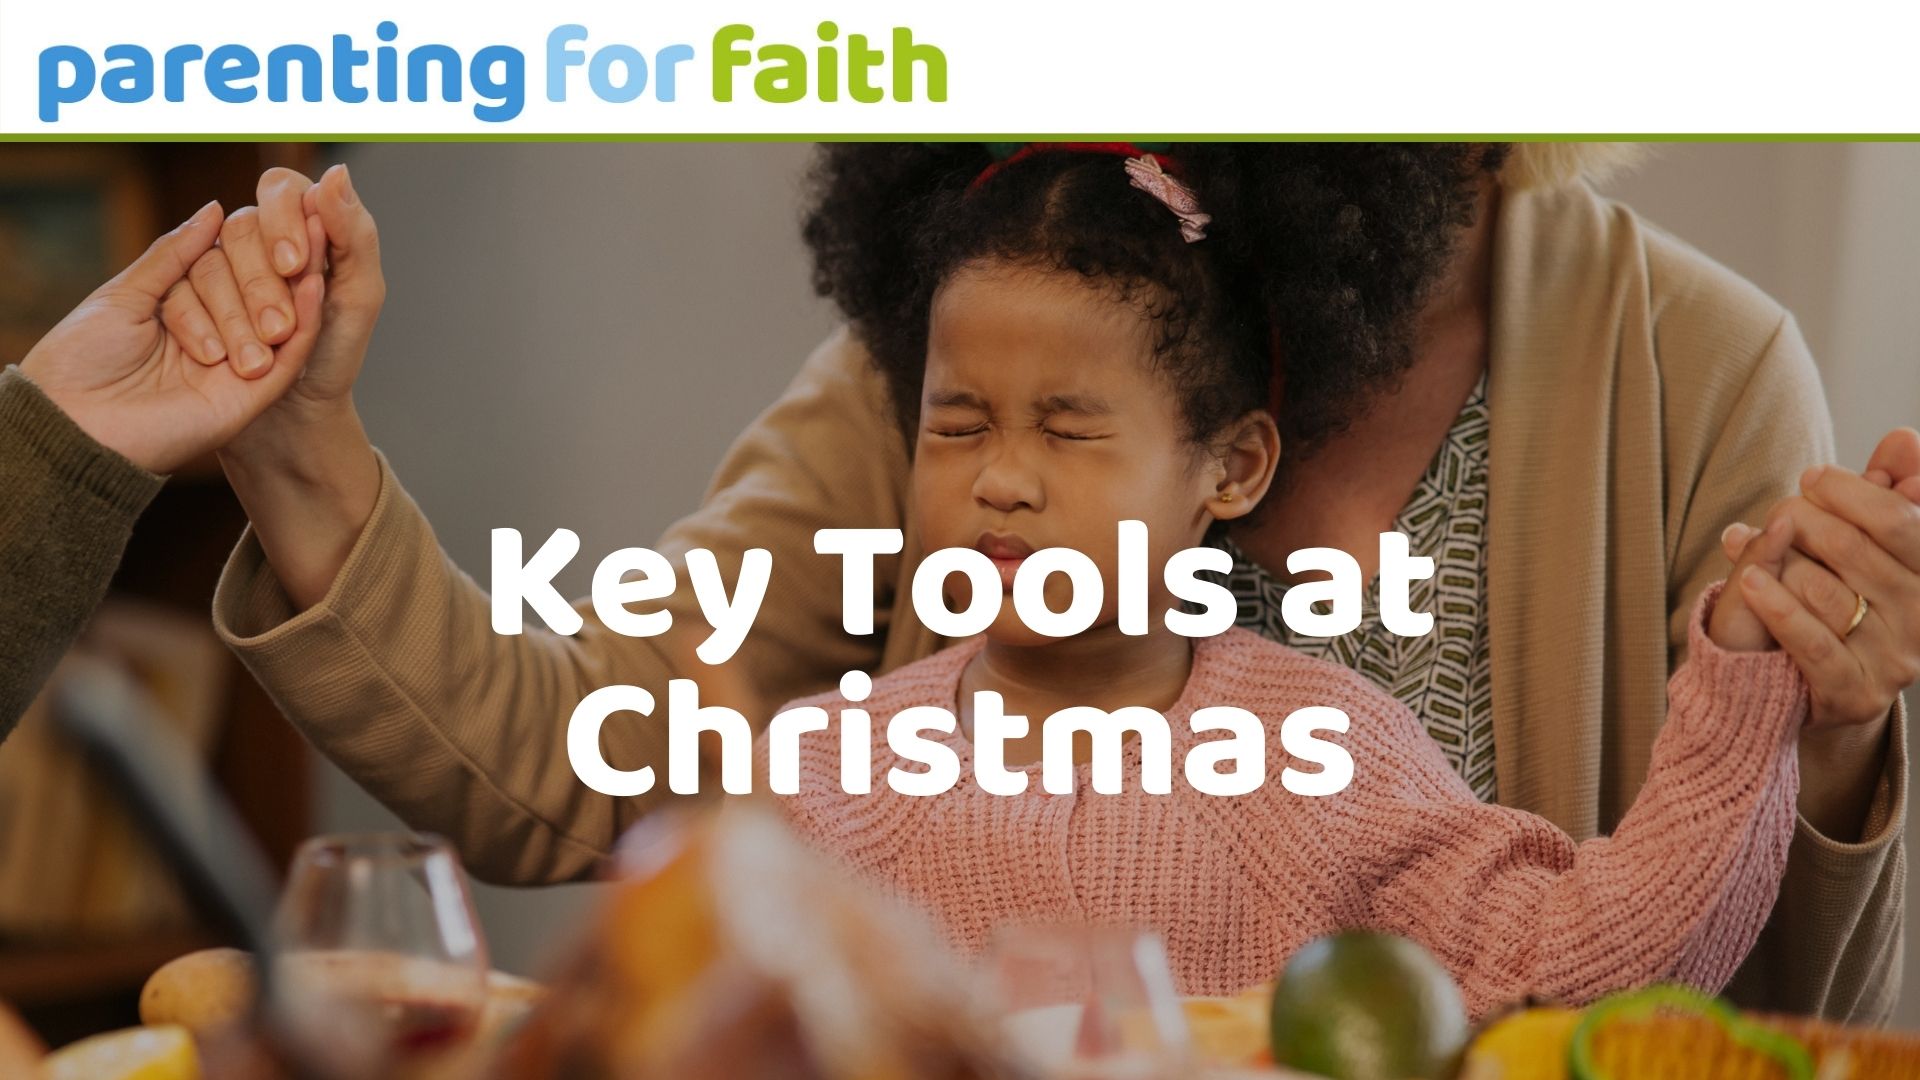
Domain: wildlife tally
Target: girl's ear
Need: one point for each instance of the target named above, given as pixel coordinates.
(1245, 465)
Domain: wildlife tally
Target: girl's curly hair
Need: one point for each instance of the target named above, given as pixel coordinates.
(1317, 254)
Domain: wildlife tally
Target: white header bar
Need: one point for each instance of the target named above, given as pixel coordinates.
(853, 67)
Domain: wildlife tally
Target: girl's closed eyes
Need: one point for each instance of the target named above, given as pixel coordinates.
(957, 415)
(1051, 429)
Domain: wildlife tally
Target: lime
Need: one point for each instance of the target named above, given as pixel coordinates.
(142, 1053)
(1367, 1006)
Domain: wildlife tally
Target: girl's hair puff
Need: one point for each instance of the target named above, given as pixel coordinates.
(1321, 252)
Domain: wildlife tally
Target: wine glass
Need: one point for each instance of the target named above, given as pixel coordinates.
(1087, 1001)
(378, 958)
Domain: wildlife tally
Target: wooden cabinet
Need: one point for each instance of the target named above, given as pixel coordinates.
(71, 215)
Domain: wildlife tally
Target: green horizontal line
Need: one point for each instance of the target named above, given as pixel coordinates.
(586, 137)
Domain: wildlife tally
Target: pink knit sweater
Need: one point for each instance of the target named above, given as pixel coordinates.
(1510, 904)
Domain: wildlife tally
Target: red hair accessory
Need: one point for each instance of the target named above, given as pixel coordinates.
(1151, 172)
(1147, 175)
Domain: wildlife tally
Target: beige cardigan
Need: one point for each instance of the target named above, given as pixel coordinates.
(1642, 398)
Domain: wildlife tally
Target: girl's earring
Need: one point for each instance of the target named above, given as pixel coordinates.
(1226, 496)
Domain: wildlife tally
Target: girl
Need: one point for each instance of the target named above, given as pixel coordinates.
(1095, 339)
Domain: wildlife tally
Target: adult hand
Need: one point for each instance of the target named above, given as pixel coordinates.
(143, 390)
(243, 283)
(1857, 539)
(237, 287)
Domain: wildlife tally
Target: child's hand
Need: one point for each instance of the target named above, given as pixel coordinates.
(1733, 625)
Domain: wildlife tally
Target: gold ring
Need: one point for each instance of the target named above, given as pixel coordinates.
(1859, 613)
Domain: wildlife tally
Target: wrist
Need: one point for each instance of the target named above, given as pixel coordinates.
(323, 460)
(82, 412)
(1840, 767)
(54, 446)
(317, 448)
(1844, 747)
(1731, 626)
(308, 481)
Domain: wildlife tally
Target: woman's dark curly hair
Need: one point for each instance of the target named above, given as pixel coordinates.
(1319, 254)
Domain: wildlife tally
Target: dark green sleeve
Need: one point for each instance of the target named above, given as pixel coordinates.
(67, 505)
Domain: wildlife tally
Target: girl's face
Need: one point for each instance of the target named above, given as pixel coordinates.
(1043, 425)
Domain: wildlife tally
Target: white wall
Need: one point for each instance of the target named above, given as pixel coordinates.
(669, 279)
(1833, 232)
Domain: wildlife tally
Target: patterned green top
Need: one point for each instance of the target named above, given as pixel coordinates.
(1443, 676)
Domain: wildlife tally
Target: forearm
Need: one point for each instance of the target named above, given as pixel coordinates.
(1705, 843)
(397, 676)
(1832, 943)
(1699, 855)
(67, 506)
(308, 483)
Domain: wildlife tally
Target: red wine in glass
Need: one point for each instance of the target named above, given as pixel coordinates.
(422, 1025)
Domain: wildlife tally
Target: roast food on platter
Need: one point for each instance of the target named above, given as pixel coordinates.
(727, 950)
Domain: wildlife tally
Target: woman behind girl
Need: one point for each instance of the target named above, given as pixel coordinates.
(1095, 343)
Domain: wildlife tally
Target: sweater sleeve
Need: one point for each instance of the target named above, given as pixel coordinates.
(397, 676)
(1513, 907)
(67, 507)
(1832, 947)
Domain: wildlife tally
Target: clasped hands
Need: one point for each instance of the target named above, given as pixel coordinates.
(228, 325)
